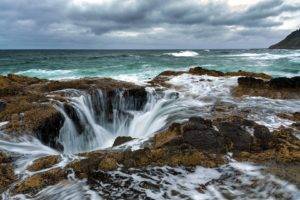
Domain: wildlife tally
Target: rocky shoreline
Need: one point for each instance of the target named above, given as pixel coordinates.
(29, 106)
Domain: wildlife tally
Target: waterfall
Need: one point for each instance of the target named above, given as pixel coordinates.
(102, 118)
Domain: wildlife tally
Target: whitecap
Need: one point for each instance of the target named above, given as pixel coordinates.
(183, 54)
(43, 73)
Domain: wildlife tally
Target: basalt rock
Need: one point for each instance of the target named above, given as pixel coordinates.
(283, 148)
(35, 183)
(121, 140)
(73, 115)
(7, 175)
(281, 88)
(235, 136)
(44, 163)
(2, 105)
(200, 133)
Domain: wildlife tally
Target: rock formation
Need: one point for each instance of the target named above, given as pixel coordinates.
(292, 41)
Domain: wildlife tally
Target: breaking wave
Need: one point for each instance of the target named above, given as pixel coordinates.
(183, 54)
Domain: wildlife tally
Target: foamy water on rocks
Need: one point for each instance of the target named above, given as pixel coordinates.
(189, 95)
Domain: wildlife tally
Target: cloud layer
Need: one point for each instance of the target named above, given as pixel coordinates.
(145, 23)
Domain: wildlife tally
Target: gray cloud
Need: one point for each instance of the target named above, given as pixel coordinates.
(141, 24)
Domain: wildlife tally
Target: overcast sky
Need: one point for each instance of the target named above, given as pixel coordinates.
(146, 24)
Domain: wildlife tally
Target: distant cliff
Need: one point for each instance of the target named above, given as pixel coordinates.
(292, 41)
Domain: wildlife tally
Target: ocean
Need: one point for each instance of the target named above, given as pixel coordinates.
(141, 65)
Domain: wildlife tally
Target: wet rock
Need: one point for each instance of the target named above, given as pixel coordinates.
(235, 136)
(121, 140)
(276, 88)
(251, 82)
(7, 176)
(108, 164)
(284, 82)
(4, 158)
(200, 134)
(203, 71)
(2, 105)
(47, 127)
(73, 115)
(44, 163)
(37, 182)
(263, 135)
(170, 137)
(284, 148)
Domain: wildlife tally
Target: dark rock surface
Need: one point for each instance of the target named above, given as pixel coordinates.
(277, 88)
(121, 140)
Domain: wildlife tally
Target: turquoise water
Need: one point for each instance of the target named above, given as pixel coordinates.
(140, 65)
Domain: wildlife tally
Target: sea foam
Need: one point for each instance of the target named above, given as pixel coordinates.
(183, 54)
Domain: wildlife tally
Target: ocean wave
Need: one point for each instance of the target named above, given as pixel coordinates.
(267, 56)
(43, 73)
(183, 54)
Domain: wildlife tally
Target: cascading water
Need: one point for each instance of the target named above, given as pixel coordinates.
(100, 124)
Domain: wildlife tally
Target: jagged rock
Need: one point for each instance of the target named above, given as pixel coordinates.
(203, 71)
(2, 105)
(284, 148)
(121, 140)
(200, 134)
(36, 182)
(277, 88)
(235, 136)
(264, 136)
(4, 158)
(73, 115)
(108, 164)
(7, 175)
(44, 163)
(250, 82)
(285, 83)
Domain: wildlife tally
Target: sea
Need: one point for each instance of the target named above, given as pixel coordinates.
(142, 65)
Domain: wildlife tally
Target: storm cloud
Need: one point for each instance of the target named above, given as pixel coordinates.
(145, 23)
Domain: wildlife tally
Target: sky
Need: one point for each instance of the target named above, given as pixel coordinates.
(145, 24)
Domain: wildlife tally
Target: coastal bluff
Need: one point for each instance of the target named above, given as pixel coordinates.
(292, 41)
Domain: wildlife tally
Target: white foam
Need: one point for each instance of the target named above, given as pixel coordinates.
(204, 86)
(294, 56)
(133, 78)
(51, 74)
(183, 54)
